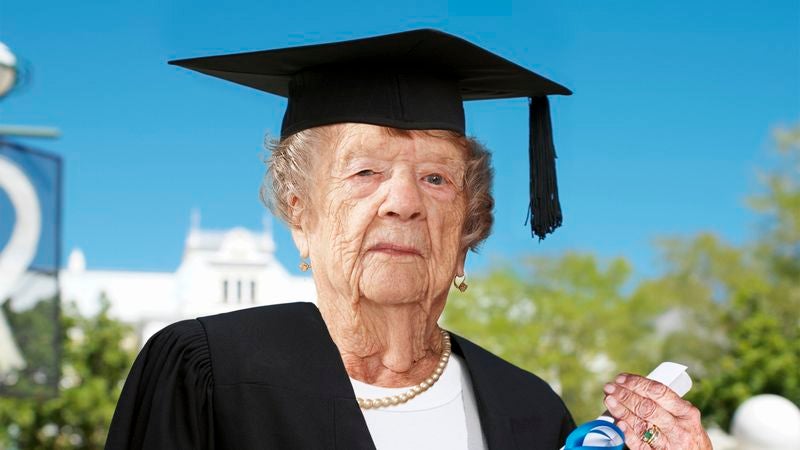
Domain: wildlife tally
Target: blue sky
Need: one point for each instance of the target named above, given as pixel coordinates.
(673, 108)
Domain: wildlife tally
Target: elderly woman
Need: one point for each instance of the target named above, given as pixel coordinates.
(384, 196)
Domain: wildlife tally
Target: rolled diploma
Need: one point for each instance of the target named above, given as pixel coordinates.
(668, 373)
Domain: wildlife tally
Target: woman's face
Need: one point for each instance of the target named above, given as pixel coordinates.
(385, 216)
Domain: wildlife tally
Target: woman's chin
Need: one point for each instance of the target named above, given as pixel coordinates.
(393, 285)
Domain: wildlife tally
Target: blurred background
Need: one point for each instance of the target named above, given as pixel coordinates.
(129, 197)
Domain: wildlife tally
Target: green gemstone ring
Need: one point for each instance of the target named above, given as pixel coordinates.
(650, 435)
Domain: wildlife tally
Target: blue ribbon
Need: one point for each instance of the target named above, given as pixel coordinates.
(602, 427)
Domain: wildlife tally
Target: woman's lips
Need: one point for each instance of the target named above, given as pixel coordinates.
(395, 249)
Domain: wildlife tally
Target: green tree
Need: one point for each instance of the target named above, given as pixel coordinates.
(98, 352)
(566, 319)
(731, 313)
(36, 331)
(759, 311)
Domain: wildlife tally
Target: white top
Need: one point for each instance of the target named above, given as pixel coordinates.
(443, 417)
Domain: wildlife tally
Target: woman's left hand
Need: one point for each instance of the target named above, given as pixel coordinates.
(639, 403)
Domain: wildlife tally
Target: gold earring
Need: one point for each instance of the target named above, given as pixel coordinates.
(459, 283)
(304, 266)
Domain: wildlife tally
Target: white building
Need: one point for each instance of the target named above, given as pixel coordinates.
(220, 271)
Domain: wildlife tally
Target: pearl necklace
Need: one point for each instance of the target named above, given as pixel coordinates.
(392, 400)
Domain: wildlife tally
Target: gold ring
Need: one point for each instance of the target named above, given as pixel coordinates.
(650, 435)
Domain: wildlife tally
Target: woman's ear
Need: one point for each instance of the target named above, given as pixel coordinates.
(298, 226)
(461, 261)
(300, 241)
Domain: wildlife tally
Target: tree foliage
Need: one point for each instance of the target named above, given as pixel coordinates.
(731, 313)
(97, 354)
(36, 331)
(563, 318)
(760, 313)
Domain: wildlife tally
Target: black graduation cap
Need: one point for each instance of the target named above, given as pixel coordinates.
(412, 80)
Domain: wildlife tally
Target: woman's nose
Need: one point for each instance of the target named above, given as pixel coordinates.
(403, 198)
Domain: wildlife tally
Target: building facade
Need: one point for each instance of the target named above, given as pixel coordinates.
(220, 271)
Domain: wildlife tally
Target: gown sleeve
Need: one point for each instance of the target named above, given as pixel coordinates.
(567, 425)
(166, 402)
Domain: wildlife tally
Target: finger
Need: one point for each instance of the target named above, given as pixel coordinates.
(658, 392)
(643, 408)
(634, 427)
(628, 423)
(632, 441)
(634, 436)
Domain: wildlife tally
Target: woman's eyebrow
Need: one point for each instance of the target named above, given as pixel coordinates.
(454, 166)
(350, 149)
(445, 161)
(345, 160)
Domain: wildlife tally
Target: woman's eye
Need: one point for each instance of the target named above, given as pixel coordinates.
(365, 173)
(435, 179)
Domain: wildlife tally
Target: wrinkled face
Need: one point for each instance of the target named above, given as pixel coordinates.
(385, 216)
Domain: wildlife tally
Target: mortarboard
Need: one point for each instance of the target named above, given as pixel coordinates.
(411, 80)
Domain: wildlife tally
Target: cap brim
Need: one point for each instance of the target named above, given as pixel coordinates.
(480, 74)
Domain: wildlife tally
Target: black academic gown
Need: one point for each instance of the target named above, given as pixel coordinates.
(271, 377)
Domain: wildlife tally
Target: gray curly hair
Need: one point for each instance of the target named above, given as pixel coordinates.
(290, 164)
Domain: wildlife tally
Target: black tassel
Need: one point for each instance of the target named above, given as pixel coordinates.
(544, 207)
